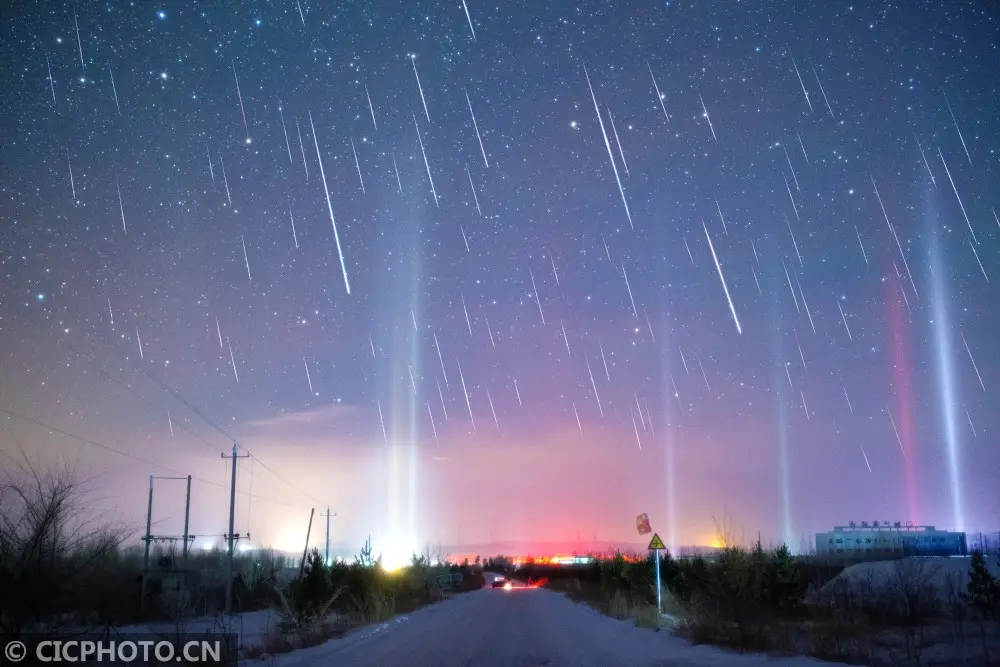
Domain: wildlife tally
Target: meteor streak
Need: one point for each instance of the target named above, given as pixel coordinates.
(433, 426)
(708, 118)
(795, 299)
(138, 339)
(802, 146)
(295, 237)
(955, 190)
(614, 131)
(704, 375)
(719, 209)
(121, 206)
(635, 428)
(895, 430)
(114, 90)
(413, 59)
(426, 163)
(896, 238)
(795, 243)
(302, 147)
(473, 186)
(465, 391)
(825, 98)
(844, 320)
(52, 83)
(659, 95)
(329, 205)
(372, 109)
(381, 420)
(225, 179)
(245, 258)
(79, 43)
(308, 377)
(72, 183)
(607, 144)
(468, 322)
(722, 278)
(440, 358)
(444, 406)
(973, 360)
(492, 409)
(861, 245)
(953, 120)
(476, 125)
(788, 159)
(243, 110)
(538, 299)
(284, 129)
(232, 360)
(923, 156)
(469, 19)
(978, 261)
(358, 165)
(593, 384)
(802, 83)
(396, 169)
(629, 288)
(805, 304)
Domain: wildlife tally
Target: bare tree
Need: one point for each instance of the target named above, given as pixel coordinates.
(51, 545)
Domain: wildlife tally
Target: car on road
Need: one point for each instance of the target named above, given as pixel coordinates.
(499, 582)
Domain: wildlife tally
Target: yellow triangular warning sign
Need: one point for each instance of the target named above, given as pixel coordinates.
(656, 542)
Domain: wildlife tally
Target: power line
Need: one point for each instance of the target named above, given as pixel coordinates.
(177, 395)
(273, 472)
(135, 393)
(113, 450)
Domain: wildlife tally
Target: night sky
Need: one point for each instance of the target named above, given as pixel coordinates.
(758, 289)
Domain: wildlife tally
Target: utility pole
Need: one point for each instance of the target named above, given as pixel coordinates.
(327, 515)
(232, 530)
(148, 539)
(302, 565)
(187, 518)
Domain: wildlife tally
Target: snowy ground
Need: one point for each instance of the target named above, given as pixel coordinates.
(940, 572)
(252, 627)
(522, 627)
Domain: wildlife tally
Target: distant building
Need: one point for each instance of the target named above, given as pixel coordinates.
(884, 540)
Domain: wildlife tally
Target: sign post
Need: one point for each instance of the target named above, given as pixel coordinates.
(656, 545)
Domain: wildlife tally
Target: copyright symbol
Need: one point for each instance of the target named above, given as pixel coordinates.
(15, 651)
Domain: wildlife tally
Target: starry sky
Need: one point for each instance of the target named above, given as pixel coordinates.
(462, 271)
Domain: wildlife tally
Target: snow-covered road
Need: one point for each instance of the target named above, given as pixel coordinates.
(517, 628)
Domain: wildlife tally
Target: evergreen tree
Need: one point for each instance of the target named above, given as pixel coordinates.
(983, 590)
(315, 587)
(784, 578)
